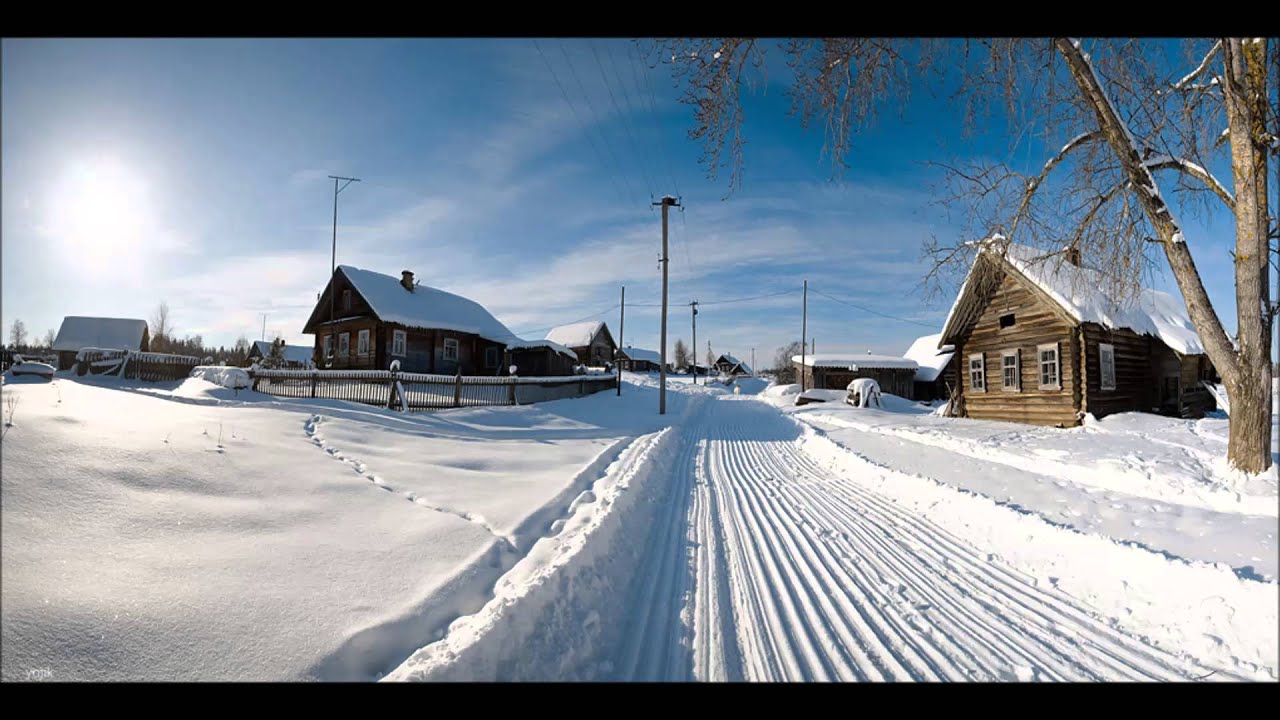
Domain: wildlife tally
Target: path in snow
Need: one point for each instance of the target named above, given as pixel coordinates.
(764, 565)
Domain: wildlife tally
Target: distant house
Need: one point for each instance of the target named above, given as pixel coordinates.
(540, 358)
(1038, 340)
(378, 318)
(294, 356)
(729, 365)
(591, 341)
(831, 371)
(638, 360)
(79, 332)
(930, 381)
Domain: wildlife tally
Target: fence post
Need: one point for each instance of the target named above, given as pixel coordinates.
(314, 374)
(511, 390)
(457, 389)
(391, 392)
(253, 377)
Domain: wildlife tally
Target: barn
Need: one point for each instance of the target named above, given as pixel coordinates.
(638, 360)
(1038, 340)
(78, 331)
(540, 358)
(591, 341)
(833, 371)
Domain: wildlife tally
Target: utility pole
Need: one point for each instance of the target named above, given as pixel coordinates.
(804, 328)
(753, 362)
(694, 305)
(667, 203)
(622, 318)
(264, 326)
(333, 261)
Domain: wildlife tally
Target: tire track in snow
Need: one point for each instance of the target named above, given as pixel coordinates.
(800, 573)
(312, 427)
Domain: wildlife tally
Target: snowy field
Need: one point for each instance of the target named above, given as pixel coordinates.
(188, 531)
(182, 531)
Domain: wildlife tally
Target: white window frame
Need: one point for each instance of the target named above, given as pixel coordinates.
(981, 371)
(1107, 361)
(1017, 370)
(491, 357)
(328, 345)
(451, 343)
(362, 342)
(399, 342)
(1041, 364)
(344, 344)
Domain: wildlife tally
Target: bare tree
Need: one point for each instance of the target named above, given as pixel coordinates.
(711, 356)
(1133, 134)
(784, 370)
(161, 326)
(49, 337)
(681, 359)
(18, 334)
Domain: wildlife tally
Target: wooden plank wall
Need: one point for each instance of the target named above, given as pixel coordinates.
(1133, 371)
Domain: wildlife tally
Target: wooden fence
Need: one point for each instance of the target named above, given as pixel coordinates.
(418, 391)
(153, 367)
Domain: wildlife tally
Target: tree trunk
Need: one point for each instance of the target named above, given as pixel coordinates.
(1245, 373)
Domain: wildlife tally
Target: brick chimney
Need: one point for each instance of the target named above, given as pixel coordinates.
(406, 279)
(1073, 255)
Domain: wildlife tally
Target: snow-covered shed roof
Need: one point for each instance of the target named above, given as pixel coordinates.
(577, 334)
(1080, 292)
(652, 356)
(424, 307)
(115, 333)
(926, 353)
(292, 353)
(856, 362)
(534, 344)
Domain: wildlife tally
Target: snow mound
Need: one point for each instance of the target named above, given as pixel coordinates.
(233, 378)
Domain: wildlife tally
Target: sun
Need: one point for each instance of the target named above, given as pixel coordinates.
(99, 212)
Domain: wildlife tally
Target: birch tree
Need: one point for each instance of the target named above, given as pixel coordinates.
(1138, 125)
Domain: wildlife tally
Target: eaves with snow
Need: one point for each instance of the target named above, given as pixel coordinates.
(579, 334)
(932, 358)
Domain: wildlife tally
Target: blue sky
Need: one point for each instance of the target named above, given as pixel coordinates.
(195, 171)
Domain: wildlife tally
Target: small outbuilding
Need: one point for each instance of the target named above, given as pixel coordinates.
(931, 377)
(540, 358)
(591, 341)
(80, 331)
(833, 371)
(638, 360)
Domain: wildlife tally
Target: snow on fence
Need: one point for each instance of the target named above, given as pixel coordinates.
(134, 364)
(419, 391)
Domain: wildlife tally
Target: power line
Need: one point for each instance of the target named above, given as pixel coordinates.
(873, 312)
(613, 179)
(603, 136)
(724, 302)
(653, 106)
(626, 117)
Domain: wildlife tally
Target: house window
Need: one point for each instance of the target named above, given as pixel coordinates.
(451, 349)
(491, 357)
(344, 344)
(346, 300)
(328, 345)
(1006, 321)
(399, 341)
(1010, 371)
(362, 342)
(977, 373)
(1049, 370)
(1107, 365)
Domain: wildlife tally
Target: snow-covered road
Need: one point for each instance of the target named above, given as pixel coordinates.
(764, 564)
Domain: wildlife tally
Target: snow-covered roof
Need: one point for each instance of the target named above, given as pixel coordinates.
(292, 353)
(856, 362)
(424, 307)
(1079, 290)
(577, 334)
(533, 344)
(116, 333)
(924, 351)
(729, 358)
(652, 356)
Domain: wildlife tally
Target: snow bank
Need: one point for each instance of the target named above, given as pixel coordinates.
(232, 378)
(1204, 609)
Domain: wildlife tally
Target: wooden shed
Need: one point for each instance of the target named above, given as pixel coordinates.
(591, 341)
(832, 371)
(541, 358)
(1038, 340)
(78, 332)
